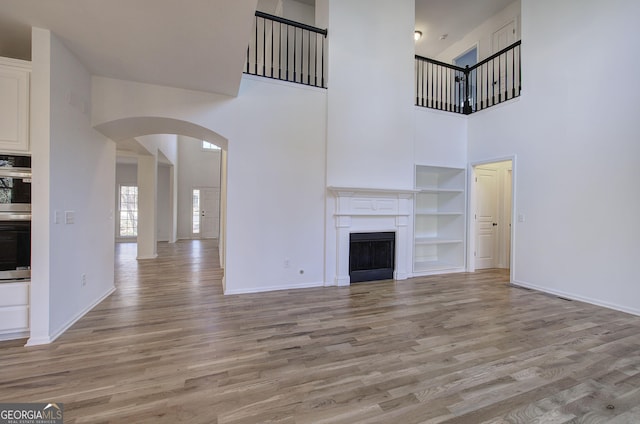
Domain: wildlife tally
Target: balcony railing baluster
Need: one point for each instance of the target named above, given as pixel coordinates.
(297, 56)
(447, 87)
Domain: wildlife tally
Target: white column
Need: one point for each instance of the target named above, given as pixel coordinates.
(147, 206)
(173, 201)
(343, 226)
(404, 260)
(40, 189)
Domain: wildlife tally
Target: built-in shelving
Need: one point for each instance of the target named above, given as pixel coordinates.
(439, 228)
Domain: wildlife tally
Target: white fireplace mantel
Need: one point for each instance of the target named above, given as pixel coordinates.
(373, 210)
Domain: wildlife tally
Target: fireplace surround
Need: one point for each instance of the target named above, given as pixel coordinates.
(371, 210)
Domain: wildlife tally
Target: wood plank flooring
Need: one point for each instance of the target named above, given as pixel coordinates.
(168, 347)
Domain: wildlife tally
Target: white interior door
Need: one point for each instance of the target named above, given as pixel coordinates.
(503, 38)
(486, 217)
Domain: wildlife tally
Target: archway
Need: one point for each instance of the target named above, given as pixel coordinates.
(126, 130)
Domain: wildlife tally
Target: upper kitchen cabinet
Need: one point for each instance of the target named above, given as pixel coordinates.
(14, 105)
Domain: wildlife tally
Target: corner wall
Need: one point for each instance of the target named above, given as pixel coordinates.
(76, 187)
(576, 142)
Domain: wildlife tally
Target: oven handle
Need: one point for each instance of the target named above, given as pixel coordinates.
(15, 216)
(15, 172)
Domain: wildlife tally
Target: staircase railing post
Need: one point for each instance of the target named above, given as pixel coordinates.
(467, 87)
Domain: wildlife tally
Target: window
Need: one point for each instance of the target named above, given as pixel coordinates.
(128, 211)
(209, 146)
(195, 226)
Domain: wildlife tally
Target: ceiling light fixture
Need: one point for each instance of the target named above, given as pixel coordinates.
(417, 35)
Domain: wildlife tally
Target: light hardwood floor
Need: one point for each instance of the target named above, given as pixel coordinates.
(168, 347)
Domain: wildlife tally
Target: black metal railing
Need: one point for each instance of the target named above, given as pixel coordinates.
(491, 81)
(287, 50)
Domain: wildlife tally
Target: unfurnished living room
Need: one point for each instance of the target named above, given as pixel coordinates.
(319, 211)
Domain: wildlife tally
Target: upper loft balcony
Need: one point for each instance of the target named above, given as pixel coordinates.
(462, 72)
(469, 89)
(287, 50)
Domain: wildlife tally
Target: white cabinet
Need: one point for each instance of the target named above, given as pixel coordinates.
(440, 220)
(14, 105)
(14, 310)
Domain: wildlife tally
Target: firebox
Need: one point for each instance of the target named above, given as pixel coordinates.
(371, 256)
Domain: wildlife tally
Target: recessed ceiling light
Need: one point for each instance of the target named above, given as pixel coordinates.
(417, 35)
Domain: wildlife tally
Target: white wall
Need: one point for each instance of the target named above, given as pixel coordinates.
(167, 144)
(79, 178)
(440, 138)
(164, 203)
(299, 12)
(289, 9)
(370, 99)
(276, 170)
(199, 168)
(482, 35)
(576, 142)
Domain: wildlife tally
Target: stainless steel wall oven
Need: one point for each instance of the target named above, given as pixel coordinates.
(15, 217)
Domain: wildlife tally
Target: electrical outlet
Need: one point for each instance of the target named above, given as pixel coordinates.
(83, 280)
(69, 217)
(287, 262)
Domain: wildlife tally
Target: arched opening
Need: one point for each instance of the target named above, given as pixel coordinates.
(135, 139)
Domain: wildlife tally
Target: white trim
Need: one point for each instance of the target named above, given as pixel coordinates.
(475, 45)
(471, 202)
(16, 63)
(14, 336)
(274, 288)
(50, 339)
(147, 257)
(579, 298)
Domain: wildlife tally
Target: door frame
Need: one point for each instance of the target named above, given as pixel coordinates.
(475, 46)
(472, 202)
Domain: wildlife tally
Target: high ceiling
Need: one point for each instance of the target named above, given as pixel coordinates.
(194, 44)
(455, 18)
(199, 44)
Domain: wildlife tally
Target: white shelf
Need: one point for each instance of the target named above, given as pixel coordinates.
(439, 190)
(440, 224)
(435, 240)
(430, 266)
(436, 213)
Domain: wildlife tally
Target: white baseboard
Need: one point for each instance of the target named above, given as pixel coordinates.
(33, 341)
(14, 336)
(147, 257)
(274, 288)
(579, 298)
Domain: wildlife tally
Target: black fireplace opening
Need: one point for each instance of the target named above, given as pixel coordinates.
(371, 256)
